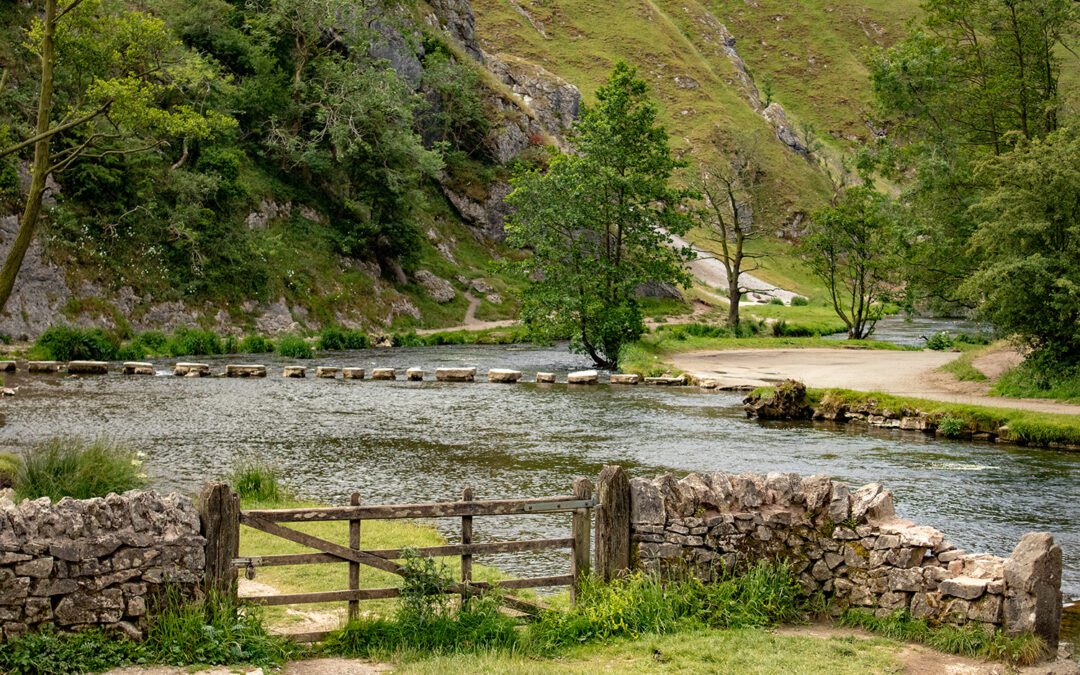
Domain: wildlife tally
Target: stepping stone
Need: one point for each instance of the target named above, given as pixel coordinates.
(414, 375)
(455, 374)
(44, 366)
(352, 373)
(545, 378)
(137, 368)
(88, 368)
(666, 381)
(7, 366)
(625, 378)
(503, 375)
(235, 370)
(583, 377)
(191, 370)
(294, 371)
(326, 372)
(383, 374)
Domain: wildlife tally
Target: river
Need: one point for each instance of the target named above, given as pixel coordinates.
(409, 442)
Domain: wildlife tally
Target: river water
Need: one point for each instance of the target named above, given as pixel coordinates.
(411, 442)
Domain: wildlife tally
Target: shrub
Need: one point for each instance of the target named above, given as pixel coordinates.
(67, 467)
(68, 343)
(257, 482)
(972, 640)
(256, 344)
(294, 347)
(410, 339)
(9, 466)
(940, 341)
(211, 631)
(951, 426)
(193, 342)
(144, 344)
(800, 301)
(51, 653)
(776, 301)
(336, 338)
(782, 328)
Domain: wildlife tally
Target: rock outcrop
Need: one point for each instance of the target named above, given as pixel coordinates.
(787, 402)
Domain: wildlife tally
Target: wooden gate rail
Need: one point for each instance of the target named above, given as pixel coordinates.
(222, 532)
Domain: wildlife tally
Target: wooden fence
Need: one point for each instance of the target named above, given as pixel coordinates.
(222, 519)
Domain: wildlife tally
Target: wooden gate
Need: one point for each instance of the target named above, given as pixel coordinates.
(223, 518)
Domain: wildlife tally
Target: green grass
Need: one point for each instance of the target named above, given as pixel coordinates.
(294, 347)
(336, 338)
(963, 369)
(71, 467)
(1025, 381)
(1023, 426)
(749, 651)
(972, 640)
(9, 467)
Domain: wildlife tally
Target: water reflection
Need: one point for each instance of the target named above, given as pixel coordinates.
(397, 441)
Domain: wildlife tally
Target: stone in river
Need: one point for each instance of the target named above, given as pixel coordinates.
(44, 366)
(545, 378)
(7, 366)
(88, 368)
(503, 375)
(294, 371)
(326, 372)
(192, 369)
(352, 373)
(383, 374)
(414, 374)
(625, 378)
(666, 381)
(137, 368)
(455, 374)
(236, 370)
(583, 377)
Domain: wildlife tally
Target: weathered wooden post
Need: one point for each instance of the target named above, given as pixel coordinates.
(612, 523)
(220, 510)
(466, 539)
(580, 526)
(354, 567)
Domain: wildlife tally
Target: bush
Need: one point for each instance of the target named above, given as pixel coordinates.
(776, 301)
(336, 338)
(52, 653)
(294, 347)
(951, 427)
(410, 339)
(800, 301)
(940, 341)
(9, 466)
(973, 640)
(256, 344)
(66, 467)
(256, 482)
(68, 343)
(782, 328)
(193, 342)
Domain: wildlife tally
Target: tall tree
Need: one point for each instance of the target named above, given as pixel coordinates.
(851, 246)
(974, 77)
(597, 222)
(109, 79)
(735, 202)
(1028, 247)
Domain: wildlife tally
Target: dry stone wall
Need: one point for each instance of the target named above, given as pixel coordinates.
(849, 545)
(94, 562)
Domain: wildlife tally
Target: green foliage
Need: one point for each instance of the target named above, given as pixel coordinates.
(68, 343)
(70, 467)
(951, 427)
(295, 347)
(256, 344)
(52, 653)
(1032, 381)
(776, 301)
(800, 301)
(193, 342)
(256, 482)
(336, 338)
(972, 640)
(593, 223)
(211, 631)
(940, 341)
(1027, 280)
(458, 115)
(852, 248)
(9, 468)
(763, 595)
(963, 368)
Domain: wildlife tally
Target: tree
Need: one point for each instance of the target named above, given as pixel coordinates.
(1027, 245)
(851, 246)
(735, 197)
(598, 221)
(971, 80)
(109, 79)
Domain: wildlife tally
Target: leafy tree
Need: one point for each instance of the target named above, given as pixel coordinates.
(598, 221)
(1027, 245)
(113, 82)
(974, 77)
(736, 200)
(851, 246)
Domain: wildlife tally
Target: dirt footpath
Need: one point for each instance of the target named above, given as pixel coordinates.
(892, 372)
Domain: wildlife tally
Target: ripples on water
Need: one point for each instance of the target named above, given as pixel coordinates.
(410, 442)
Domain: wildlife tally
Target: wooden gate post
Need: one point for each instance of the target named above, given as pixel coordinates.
(466, 538)
(612, 523)
(219, 507)
(580, 532)
(354, 567)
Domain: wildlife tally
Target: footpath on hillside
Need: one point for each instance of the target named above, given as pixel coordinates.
(892, 372)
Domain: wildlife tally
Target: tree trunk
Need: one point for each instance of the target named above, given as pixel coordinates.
(734, 298)
(40, 169)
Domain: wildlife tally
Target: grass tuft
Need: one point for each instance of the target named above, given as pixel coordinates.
(1026, 381)
(294, 347)
(971, 640)
(256, 482)
(336, 338)
(71, 467)
(9, 467)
